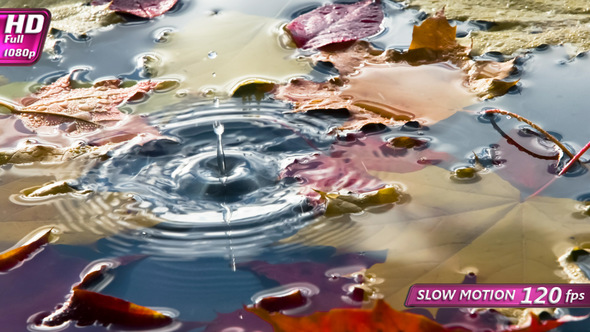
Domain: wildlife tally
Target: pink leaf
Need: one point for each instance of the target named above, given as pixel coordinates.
(336, 24)
(141, 8)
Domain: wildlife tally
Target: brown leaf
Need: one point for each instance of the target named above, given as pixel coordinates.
(29, 153)
(434, 33)
(87, 307)
(381, 318)
(12, 258)
(82, 109)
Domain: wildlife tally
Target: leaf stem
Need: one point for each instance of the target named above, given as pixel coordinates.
(530, 123)
(12, 106)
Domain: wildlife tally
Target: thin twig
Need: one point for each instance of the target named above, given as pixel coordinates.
(541, 130)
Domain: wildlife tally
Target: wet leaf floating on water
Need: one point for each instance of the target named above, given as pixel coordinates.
(80, 110)
(232, 49)
(14, 257)
(29, 153)
(451, 226)
(87, 307)
(141, 8)
(430, 82)
(381, 318)
(520, 25)
(336, 23)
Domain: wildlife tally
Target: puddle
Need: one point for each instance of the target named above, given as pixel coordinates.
(218, 225)
(181, 180)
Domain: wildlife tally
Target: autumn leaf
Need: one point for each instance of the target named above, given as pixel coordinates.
(141, 8)
(14, 257)
(450, 227)
(345, 169)
(428, 83)
(87, 307)
(520, 25)
(381, 318)
(82, 109)
(336, 23)
(28, 152)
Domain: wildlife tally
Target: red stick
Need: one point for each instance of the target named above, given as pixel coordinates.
(574, 159)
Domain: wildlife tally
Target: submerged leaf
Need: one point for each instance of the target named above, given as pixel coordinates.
(12, 258)
(381, 318)
(450, 227)
(336, 23)
(343, 180)
(141, 8)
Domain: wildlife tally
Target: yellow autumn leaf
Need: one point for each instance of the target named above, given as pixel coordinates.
(448, 228)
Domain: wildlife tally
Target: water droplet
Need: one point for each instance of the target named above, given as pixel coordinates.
(181, 93)
(212, 55)
(213, 74)
(218, 128)
(216, 105)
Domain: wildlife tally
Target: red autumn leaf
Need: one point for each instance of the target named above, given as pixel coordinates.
(381, 318)
(336, 23)
(346, 168)
(141, 8)
(14, 257)
(87, 307)
(83, 109)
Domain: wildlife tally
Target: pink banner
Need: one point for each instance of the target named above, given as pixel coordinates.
(22, 35)
(499, 295)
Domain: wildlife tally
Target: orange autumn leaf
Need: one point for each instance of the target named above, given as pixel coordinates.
(434, 33)
(14, 257)
(381, 318)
